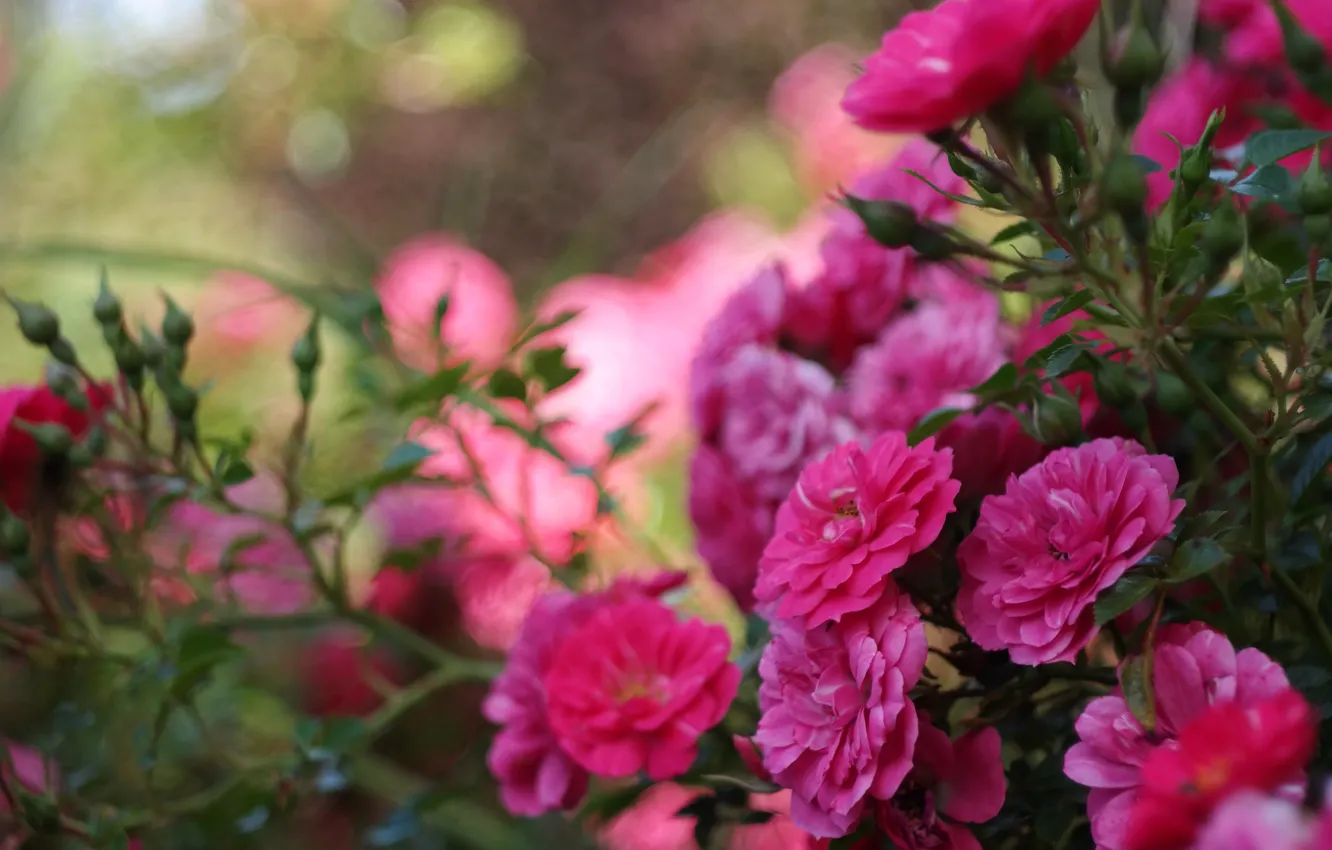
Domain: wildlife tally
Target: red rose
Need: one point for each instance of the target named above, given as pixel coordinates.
(21, 466)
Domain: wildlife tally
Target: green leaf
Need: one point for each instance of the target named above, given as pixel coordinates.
(505, 384)
(432, 389)
(624, 440)
(1063, 360)
(961, 199)
(1135, 677)
(1195, 558)
(410, 559)
(201, 650)
(1064, 306)
(604, 807)
(932, 424)
(400, 465)
(1269, 182)
(1270, 146)
(1313, 464)
(405, 458)
(1004, 379)
(235, 471)
(545, 327)
(751, 784)
(1127, 592)
(549, 366)
(1026, 227)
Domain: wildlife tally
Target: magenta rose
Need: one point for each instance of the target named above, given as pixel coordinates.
(1194, 667)
(989, 448)
(1061, 533)
(730, 524)
(837, 726)
(854, 517)
(633, 688)
(940, 67)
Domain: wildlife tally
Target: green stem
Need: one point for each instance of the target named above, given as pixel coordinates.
(460, 669)
(1307, 607)
(1179, 364)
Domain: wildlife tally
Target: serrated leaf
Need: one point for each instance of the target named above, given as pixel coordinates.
(1135, 679)
(1127, 592)
(433, 389)
(1268, 182)
(1064, 306)
(932, 424)
(1268, 147)
(505, 384)
(1005, 378)
(1314, 463)
(1195, 558)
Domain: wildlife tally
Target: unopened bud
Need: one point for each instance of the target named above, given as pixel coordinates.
(1139, 64)
(1113, 385)
(1315, 193)
(182, 401)
(129, 357)
(1123, 186)
(66, 386)
(97, 441)
(932, 245)
(306, 353)
(14, 535)
(1319, 228)
(890, 223)
(81, 456)
(1056, 419)
(106, 309)
(1033, 108)
(63, 352)
(52, 438)
(177, 326)
(1195, 167)
(151, 346)
(37, 324)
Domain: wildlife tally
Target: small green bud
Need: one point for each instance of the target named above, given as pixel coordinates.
(1140, 63)
(37, 324)
(890, 223)
(1223, 236)
(182, 401)
(1056, 419)
(1195, 167)
(97, 441)
(66, 386)
(1315, 192)
(81, 456)
(932, 245)
(1123, 186)
(129, 357)
(152, 348)
(53, 439)
(1033, 107)
(1113, 385)
(63, 352)
(306, 353)
(106, 309)
(14, 536)
(177, 326)
(1319, 228)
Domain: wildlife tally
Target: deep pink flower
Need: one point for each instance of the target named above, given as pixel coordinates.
(1061, 533)
(924, 361)
(988, 448)
(31, 770)
(837, 727)
(960, 780)
(1194, 667)
(633, 688)
(853, 518)
(482, 313)
(341, 676)
(731, 525)
(940, 67)
(1226, 749)
(1036, 336)
(23, 470)
(1253, 33)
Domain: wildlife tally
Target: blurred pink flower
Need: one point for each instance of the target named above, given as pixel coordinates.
(495, 595)
(341, 672)
(237, 313)
(31, 769)
(1253, 32)
(1061, 533)
(1252, 820)
(633, 689)
(940, 67)
(482, 315)
(853, 518)
(1194, 667)
(837, 727)
(651, 823)
(988, 448)
(923, 361)
(730, 524)
(830, 150)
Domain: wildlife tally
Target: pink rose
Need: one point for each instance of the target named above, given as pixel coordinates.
(989, 448)
(632, 688)
(24, 472)
(495, 595)
(1061, 533)
(652, 823)
(923, 361)
(940, 67)
(837, 727)
(482, 315)
(1194, 667)
(854, 517)
(731, 525)
(962, 780)
(1253, 33)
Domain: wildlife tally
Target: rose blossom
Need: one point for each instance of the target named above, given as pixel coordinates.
(1226, 749)
(23, 470)
(654, 823)
(924, 361)
(1061, 533)
(633, 688)
(837, 727)
(730, 524)
(1251, 820)
(1193, 667)
(988, 448)
(535, 774)
(853, 518)
(962, 780)
(939, 67)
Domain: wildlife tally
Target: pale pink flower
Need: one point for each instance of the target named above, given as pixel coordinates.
(633, 688)
(1061, 533)
(837, 727)
(495, 595)
(652, 823)
(731, 525)
(962, 781)
(924, 361)
(854, 517)
(1194, 667)
(237, 313)
(482, 314)
(1252, 820)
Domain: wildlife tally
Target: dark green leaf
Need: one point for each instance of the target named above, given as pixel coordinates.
(1135, 676)
(1268, 147)
(961, 199)
(1005, 378)
(603, 807)
(433, 389)
(505, 384)
(624, 440)
(1064, 306)
(751, 784)
(1195, 558)
(932, 424)
(406, 457)
(1313, 464)
(1268, 182)
(1063, 360)
(545, 327)
(1146, 164)
(235, 471)
(1127, 592)
(549, 366)
(201, 650)
(1026, 227)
